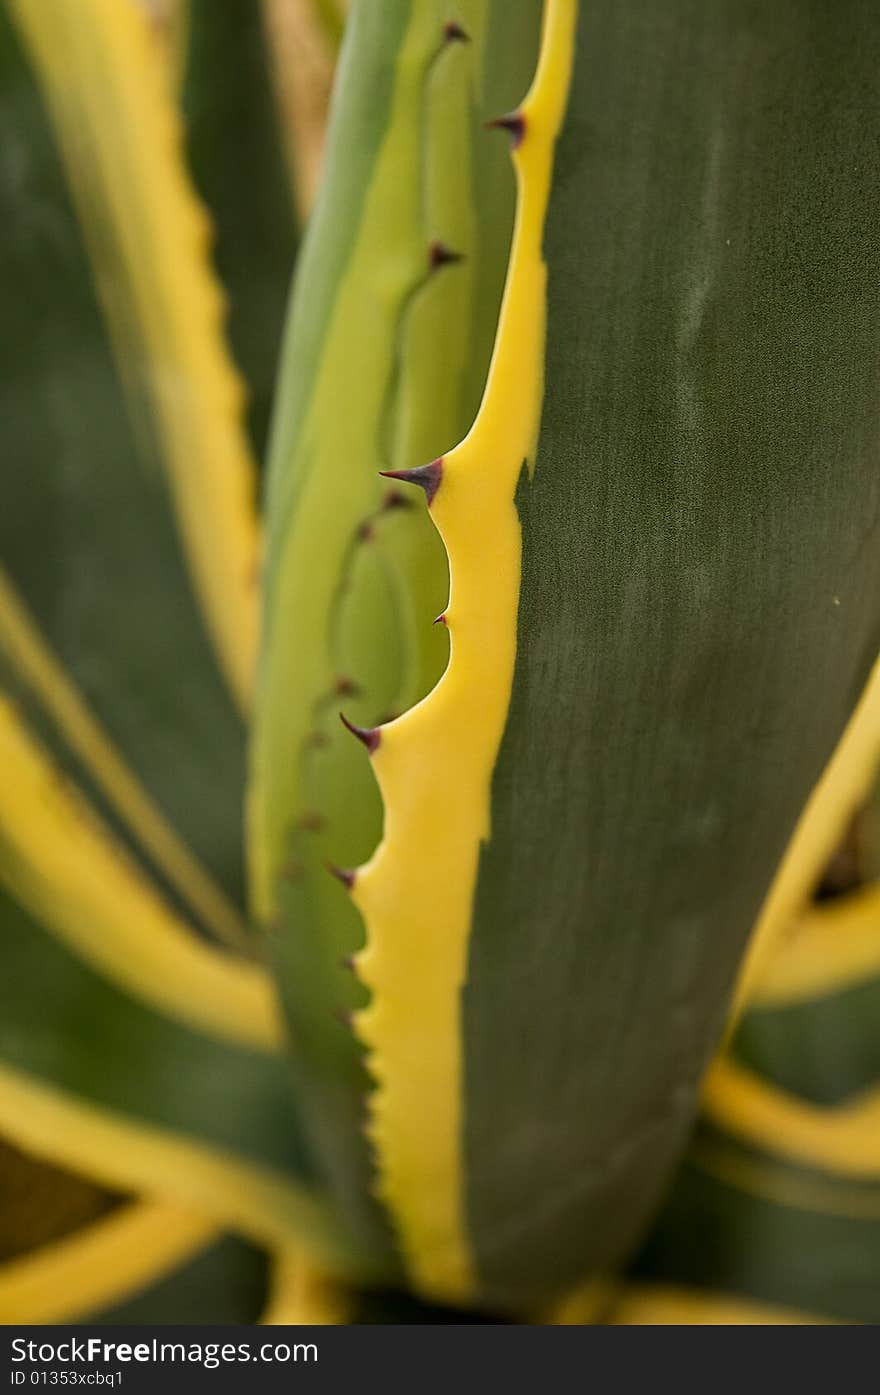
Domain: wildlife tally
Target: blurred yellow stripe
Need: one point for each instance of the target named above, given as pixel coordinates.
(61, 863)
(667, 1306)
(826, 1196)
(844, 784)
(123, 1153)
(40, 670)
(834, 946)
(844, 1139)
(104, 1263)
(303, 1295)
(584, 1306)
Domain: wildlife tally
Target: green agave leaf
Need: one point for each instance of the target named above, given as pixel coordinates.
(112, 102)
(657, 717)
(696, 618)
(392, 320)
(779, 1199)
(825, 1050)
(106, 1261)
(831, 947)
(740, 1225)
(233, 140)
(93, 1079)
(94, 575)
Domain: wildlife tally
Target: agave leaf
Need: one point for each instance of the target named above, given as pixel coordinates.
(102, 639)
(385, 358)
(835, 945)
(103, 646)
(108, 95)
(843, 1137)
(302, 1294)
(62, 862)
(32, 677)
(779, 1199)
(105, 1261)
(737, 1224)
(659, 711)
(825, 1049)
(235, 151)
(98, 1082)
(226, 1282)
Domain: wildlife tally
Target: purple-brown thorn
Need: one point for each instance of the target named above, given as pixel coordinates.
(514, 123)
(441, 619)
(454, 34)
(394, 499)
(312, 821)
(346, 1018)
(346, 687)
(342, 874)
(347, 962)
(366, 531)
(371, 736)
(427, 477)
(441, 255)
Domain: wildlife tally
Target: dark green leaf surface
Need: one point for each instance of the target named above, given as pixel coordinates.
(235, 149)
(699, 607)
(826, 1050)
(716, 1237)
(227, 1282)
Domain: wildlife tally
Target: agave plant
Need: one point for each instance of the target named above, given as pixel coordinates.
(543, 984)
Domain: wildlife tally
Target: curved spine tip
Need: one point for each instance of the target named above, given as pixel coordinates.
(427, 477)
(440, 619)
(439, 255)
(453, 33)
(370, 736)
(342, 874)
(514, 123)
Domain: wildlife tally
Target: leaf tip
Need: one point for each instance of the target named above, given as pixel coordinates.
(427, 477)
(342, 874)
(370, 736)
(514, 123)
(439, 255)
